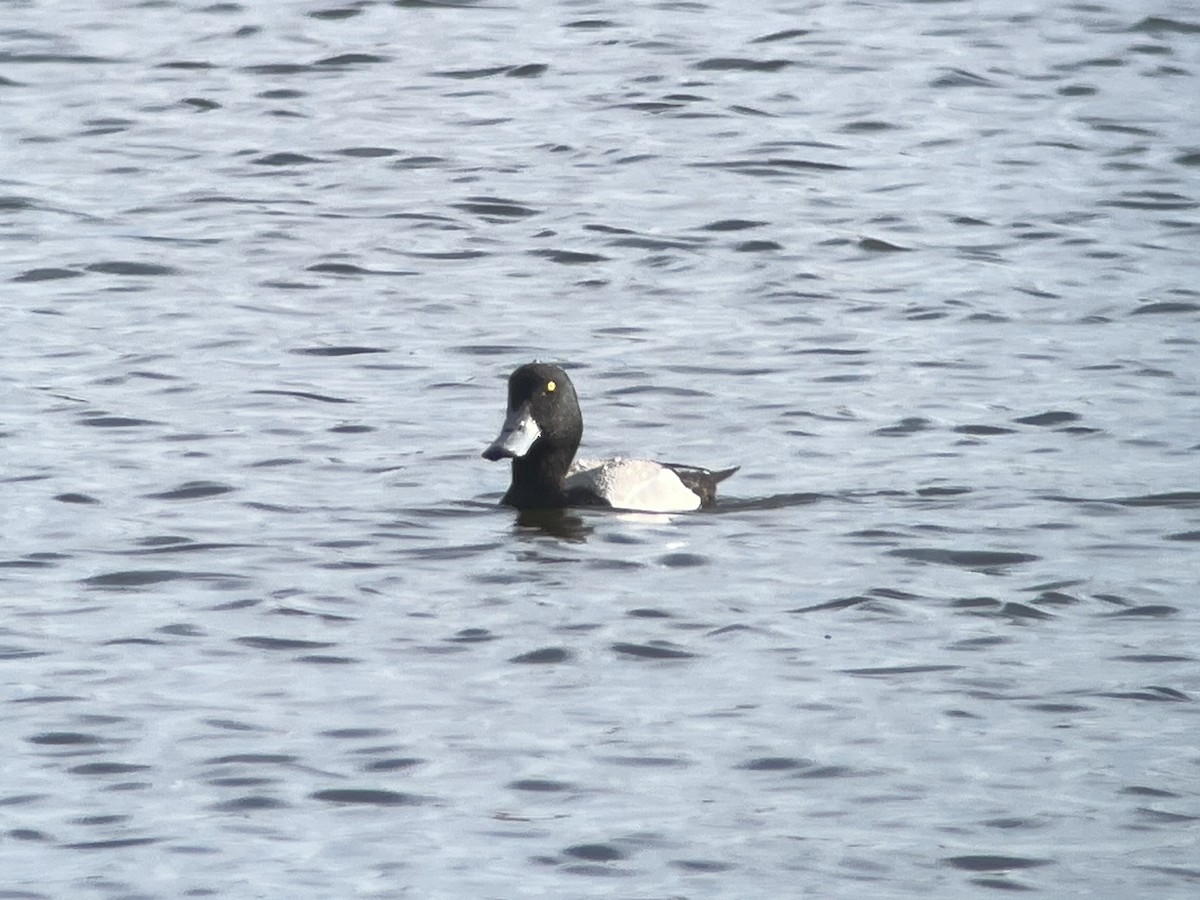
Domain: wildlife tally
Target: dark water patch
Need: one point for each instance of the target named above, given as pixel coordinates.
(1143, 791)
(1163, 817)
(187, 546)
(1163, 25)
(11, 203)
(757, 246)
(200, 104)
(115, 844)
(947, 491)
(350, 270)
(472, 636)
(304, 395)
(1048, 418)
(658, 244)
(775, 501)
(983, 430)
(123, 267)
(337, 351)
(830, 605)
(1165, 306)
(957, 78)
(82, 499)
(261, 642)
(660, 389)
(335, 14)
(107, 768)
(905, 427)
(351, 59)
(279, 69)
(821, 772)
(785, 35)
(528, 70)
(772, 166)
(1060, 708)
(1152, 200)
(867, 126)
(878, 245)
(253, 758)
(348, 734)
(1184, 536)
(1006, 610)
(1150, 611)
(24, 564)
(891, 671)
(1154, 658)
(490, 350)
(646, 613)
(421, 162)
(1056, 598)
(193, 490)
(94, 421)
(652, 650)
(591, 24)
(775, 764)
(1015, 823)
(595, 852)
(9, 652)
(682, 560)
(733, 225)
(540, 786)
(65, 739)
(1151, 693)
(569, 257)
(979, 560)
(46, 274)
(11, 57)
(700, 866)
(367, 797)
(1173, 871)
(144, 577)
(740, 64)
(366, 152)
(284, 158)
(393, 764)
(248, 803)
(546, 655)
(448, 254)
(989, 863)
(1186, 499)
(461, 552)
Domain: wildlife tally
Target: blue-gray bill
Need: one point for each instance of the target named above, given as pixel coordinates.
(517, 435)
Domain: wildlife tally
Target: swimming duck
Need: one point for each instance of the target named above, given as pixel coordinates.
(542, 433)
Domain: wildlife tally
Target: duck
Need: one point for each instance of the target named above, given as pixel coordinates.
(541, 435)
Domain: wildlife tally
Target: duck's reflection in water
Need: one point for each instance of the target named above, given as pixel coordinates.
(559, 523)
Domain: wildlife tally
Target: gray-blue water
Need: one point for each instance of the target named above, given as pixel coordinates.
(927, 271)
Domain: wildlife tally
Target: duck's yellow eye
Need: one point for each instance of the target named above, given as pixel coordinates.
(550, 386)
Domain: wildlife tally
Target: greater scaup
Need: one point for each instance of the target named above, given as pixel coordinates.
(542, 433)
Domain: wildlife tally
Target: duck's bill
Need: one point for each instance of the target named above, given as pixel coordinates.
(517, 435)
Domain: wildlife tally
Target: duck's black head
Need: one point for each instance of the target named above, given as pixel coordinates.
(540, 435)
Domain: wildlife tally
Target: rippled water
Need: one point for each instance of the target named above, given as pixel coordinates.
(926, 271)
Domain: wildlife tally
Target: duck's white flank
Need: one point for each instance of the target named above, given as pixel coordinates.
(639, 484)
